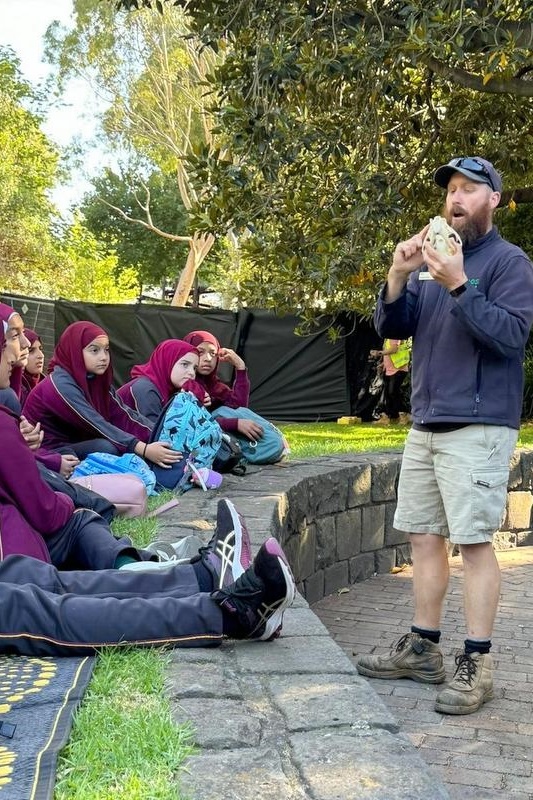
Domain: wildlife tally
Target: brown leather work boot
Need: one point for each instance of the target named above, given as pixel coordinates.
(470, 687)
(411, 657)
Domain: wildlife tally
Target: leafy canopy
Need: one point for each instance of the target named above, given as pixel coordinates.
(28, 170)
(336, 114)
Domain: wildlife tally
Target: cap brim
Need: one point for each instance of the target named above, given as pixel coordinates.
(443, 174)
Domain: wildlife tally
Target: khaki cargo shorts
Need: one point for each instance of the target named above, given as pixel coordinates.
(455, 484)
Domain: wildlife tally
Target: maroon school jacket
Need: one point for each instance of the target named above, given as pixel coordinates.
(29, 510)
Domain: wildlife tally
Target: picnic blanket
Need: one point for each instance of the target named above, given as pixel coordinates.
(37, 699)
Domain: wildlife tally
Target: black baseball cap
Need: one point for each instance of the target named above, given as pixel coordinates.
(474, 168)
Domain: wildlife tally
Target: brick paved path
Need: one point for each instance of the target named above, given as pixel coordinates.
(479, 756)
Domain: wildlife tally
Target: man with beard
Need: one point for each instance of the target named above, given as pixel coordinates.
(469, 326)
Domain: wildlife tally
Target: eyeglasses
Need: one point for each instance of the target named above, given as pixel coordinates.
(472, 165)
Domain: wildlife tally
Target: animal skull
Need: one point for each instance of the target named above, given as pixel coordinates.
(441, 237)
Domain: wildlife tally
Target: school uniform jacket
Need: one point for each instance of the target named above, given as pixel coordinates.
(143, 396)
(67, 417)
(29, 510)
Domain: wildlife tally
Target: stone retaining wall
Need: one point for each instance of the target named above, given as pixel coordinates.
(336, 526)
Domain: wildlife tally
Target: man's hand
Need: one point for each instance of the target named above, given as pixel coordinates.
(231, 357)
(408, 255)
(162, 454)
(68, 465)
(407, 258)
(32, 434)
(448, 270)
(250, 429)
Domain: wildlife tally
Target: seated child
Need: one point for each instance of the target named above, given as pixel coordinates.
(171, 365)
(261, 441)
(32, 373)
(78, 408)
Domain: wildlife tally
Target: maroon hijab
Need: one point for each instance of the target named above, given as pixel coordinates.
(29, 380)
(196, 338)
(69, 355)
(159, 365)
(6, 312)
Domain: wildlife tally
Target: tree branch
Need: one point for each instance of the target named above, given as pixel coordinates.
(475, 82)
(150, 227)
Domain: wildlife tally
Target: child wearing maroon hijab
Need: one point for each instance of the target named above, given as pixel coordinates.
(170, 366)
(32, 373)
(10, 396)
(78, 408)
(216, 392)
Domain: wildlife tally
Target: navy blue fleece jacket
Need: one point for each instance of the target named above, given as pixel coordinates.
(468, 352)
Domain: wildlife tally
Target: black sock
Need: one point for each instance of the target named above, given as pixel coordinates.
(427, 633)
(477, 646)
(203, 576)
(231, 626)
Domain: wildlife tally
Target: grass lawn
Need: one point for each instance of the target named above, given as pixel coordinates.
(123, 745)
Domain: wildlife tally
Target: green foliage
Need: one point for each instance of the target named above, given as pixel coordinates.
(91, 272)
(335, 116)
(154, 259)
(28, 170)
(150, 74)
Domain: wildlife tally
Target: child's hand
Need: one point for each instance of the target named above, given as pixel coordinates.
(32, 434)
(162, 454)
(250, 429)
(231, 357)
(68, 465)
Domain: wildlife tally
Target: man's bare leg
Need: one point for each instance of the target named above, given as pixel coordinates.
(482, 581)
(472, 683)
(417, 655)
(431, 574)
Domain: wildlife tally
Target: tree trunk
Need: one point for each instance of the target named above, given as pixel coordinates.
(200, 245)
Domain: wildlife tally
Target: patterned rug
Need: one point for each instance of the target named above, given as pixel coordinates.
(37, 699)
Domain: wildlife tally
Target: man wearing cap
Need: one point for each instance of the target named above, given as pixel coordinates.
(469, 326)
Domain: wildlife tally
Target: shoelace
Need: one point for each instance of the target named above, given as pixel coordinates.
(466, 668)
(165, 557)
(402, 643)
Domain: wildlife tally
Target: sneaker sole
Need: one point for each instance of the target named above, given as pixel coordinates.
(233, 560)
(442, 708)
(419, 677)
(274, 623)
(151, 566)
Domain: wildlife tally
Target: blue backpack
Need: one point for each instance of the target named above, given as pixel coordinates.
(187, 426)
(271, 447)
(105, 463)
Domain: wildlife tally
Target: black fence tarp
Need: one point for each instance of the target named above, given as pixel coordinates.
(293, 378)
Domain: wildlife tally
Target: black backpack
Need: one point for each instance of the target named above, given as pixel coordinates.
(229, 457)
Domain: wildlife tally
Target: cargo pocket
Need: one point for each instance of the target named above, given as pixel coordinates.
(489, 496)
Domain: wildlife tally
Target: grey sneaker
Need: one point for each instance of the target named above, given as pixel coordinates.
(179, 552)
(229, 553)
(410, 657)
(470, 687)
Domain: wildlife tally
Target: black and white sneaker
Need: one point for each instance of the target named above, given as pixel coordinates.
(261, 594)
(229, 553)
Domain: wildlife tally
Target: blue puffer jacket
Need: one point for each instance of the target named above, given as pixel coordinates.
(468, 352)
